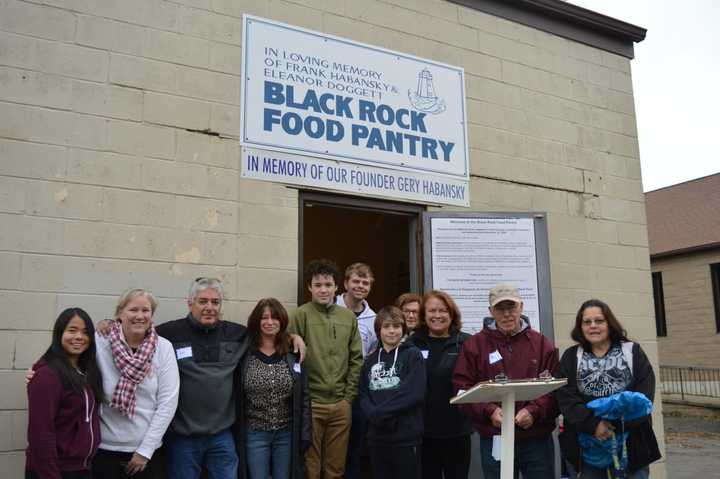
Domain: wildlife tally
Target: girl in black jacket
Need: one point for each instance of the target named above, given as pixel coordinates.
(604, 362)
(391, 394)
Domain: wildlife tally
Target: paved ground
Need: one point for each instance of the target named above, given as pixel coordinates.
(692, 438)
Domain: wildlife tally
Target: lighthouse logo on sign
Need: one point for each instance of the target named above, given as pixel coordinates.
(424, 97)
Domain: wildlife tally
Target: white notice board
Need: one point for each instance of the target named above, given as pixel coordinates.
(466, 254)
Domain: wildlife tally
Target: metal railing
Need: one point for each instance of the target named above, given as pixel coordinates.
(690, 381)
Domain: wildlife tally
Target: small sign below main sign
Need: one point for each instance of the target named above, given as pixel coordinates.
(320, 173)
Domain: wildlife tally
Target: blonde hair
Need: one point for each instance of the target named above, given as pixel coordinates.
(132, 293)
(360, 269)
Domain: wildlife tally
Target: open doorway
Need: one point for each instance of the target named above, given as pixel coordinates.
(385, 235)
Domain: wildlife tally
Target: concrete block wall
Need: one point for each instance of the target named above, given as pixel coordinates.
(105, 182)
(692, 338)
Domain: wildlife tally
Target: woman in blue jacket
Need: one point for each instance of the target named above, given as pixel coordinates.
(391, 394)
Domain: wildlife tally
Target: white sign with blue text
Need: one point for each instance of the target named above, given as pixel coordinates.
(315, 95)
(350, 177)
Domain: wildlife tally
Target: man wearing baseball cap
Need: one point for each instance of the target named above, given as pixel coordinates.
(508, 345)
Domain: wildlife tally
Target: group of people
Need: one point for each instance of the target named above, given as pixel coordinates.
(309, 395)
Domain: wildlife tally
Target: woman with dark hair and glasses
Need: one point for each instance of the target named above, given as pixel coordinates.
(63, 402)
(603, 363)
(274, 427)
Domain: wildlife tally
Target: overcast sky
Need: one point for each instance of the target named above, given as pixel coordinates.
(676, 81)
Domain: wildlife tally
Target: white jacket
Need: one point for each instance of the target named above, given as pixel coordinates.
(366, 325)
(156, 401)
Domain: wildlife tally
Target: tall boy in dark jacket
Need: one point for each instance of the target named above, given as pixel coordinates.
(392, 389)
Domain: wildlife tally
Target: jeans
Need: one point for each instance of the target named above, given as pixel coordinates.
(269, 447)
(535, 458)
(590, 472)
(186, 456)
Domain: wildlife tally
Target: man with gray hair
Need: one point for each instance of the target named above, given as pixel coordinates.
(208, 351)
(507, 345)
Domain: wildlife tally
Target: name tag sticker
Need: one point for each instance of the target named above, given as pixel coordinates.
(424, 353)
(495, 357)
(497, 447)
(296, 367)
(183, 353)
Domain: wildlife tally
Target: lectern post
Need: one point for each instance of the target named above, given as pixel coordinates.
(507, 392)
(507, 433)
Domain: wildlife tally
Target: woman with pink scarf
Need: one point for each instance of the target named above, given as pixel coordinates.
(141, 384)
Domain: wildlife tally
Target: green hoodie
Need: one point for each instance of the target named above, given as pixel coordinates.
(334, 350)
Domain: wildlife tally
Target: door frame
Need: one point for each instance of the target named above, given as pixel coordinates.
(412, 211)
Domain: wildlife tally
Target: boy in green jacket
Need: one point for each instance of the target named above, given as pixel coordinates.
(334, 359)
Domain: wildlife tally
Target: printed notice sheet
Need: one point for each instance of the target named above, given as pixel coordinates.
(471, 255)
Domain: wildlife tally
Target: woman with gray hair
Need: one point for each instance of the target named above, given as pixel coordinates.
(141, 385)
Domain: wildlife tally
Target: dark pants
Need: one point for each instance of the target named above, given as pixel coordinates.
(63, 474)
(395, 462)
(356, 443)
(534, 458)
(447, 458)
(111, 465)
(590, 472)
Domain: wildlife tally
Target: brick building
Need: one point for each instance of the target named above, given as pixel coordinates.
(684, 237)
(120, 162)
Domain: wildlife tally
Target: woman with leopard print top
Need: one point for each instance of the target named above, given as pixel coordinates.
(273, 427)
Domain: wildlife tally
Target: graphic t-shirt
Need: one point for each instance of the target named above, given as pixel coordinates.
(385, 374)
(602, 377)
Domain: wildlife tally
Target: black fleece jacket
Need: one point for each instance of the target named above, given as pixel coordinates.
(391, 394)
(642, 444)
(442, 419)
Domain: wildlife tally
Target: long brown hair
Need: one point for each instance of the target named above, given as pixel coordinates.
(453, 310)
(616, 332)
(277, 311)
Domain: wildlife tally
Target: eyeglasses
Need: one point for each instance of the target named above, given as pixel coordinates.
(410, 312)
(597, 321)
(505, 307)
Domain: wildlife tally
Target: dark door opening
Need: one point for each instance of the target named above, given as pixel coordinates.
(347, 230)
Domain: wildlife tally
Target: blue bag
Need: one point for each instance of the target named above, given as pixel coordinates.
(612, 454)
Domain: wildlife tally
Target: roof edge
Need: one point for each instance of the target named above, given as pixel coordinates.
(689, 249)
(566, 20)
(683, 183)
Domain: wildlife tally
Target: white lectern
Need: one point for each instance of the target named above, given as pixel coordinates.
(508, 392)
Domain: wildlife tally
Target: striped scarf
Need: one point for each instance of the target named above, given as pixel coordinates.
(133, 367)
